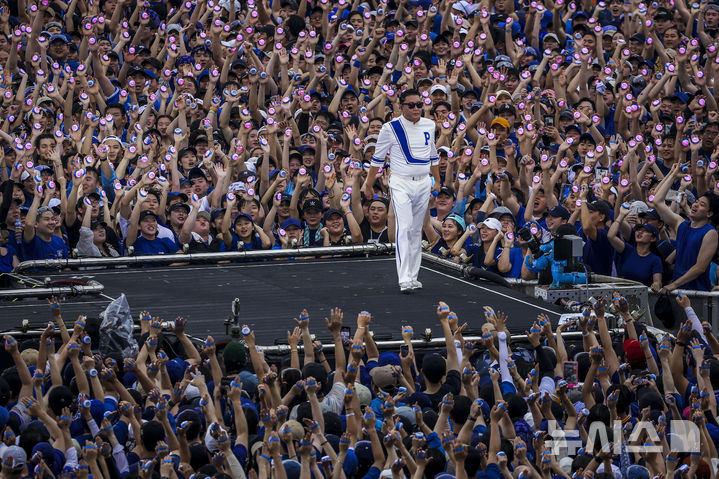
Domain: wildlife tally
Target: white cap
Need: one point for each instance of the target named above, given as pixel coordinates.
(438, 88)
(492, 223)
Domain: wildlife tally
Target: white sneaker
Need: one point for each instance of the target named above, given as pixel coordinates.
(406, 287)
(416, 284)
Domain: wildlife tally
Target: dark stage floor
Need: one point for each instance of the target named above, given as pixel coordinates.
(272, 293)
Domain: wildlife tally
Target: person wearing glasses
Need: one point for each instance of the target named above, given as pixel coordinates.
(409, 141)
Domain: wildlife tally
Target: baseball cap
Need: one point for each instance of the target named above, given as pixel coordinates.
(180, 206)
(15, 457)
(492, 223)
(649, 228)
(501, 122)
(650, 213)
(384, 377)
(507, 108)
(559, 211)
(438, 88)
(58, 37)
(446, 190)
(312, 204)
(175, 195)
(330, 212)
(147, 213)
(289, 222)
(500, 211)
(550, 36)
(457, 219)
(501, 93)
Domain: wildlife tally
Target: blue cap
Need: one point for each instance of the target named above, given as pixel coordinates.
(58, 37)
(243, 215)
(290, 222)
(560, 211)
(649, 228)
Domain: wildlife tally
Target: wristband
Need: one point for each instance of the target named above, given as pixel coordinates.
(93, 372)
(265, 457)
(54, 306)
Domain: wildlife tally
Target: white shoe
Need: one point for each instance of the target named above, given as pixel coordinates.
(406, 287)
(416, 284)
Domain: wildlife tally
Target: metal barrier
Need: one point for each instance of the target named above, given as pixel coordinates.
(706, 304)
(92, 287)
(642, 299)
(198, 258)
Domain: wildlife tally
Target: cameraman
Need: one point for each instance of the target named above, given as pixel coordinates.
(538, 261)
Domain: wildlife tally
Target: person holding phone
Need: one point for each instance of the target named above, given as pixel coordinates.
(409, 141)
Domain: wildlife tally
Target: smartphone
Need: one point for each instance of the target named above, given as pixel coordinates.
(640, 382)
(403, 350)
(571, 372)
(566, 188)
(345, 333)
(548, 120)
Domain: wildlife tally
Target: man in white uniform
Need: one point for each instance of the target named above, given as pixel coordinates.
(409, 140)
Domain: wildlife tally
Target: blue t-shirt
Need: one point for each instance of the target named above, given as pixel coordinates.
(477, 251)
(6, 261)
(39, 249)
(516, 258)
(145, 246)
(689, 241)
(256, 243)
(638, 268)
(598, 253)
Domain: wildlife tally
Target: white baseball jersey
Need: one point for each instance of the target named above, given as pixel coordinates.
(410, 145)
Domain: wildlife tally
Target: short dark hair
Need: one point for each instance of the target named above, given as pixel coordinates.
(407, 93)
(713, 201)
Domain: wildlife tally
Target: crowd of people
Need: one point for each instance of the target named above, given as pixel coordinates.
(180, 408)
(136, 128)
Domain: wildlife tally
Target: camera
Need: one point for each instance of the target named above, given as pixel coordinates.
(531, 241)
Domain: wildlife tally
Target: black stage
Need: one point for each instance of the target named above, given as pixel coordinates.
(272, 293)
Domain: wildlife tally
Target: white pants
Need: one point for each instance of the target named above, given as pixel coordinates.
(409, 198)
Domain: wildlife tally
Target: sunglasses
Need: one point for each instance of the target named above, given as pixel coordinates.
(418, 104)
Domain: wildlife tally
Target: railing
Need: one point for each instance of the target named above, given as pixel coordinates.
(706, 304)
(92, 287)
(198, 258)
